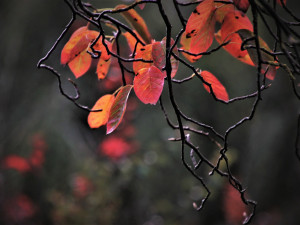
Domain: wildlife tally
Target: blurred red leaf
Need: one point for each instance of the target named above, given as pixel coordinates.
(17, 163)
(148, 84)
(218, 88)
(234, 208)
(82, 186)
(118, 109)
(115, 147)
(97, 119)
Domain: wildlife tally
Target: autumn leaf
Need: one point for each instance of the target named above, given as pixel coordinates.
(148, 84)
(136, 22)
(98, 119)
(80, 64)
(104, 60)
(132, 41)
(199, 18)
(174, 61)
(245, 59)
(242, 5)
(78, 42)
(118, 108)
(145, 53)
(222, 9)
(218, 88)
(17, 163)
(102, 68)
(199, 32)
(266, 68)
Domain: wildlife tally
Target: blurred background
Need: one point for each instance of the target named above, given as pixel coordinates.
(55, 170)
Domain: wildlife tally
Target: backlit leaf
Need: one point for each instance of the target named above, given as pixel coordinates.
(136, 22)
(199, 17)
(222, 9)
(98, 119)
(174, 61)
(145, 53)
(118, 109)
(79, 41)
(132, 41)
(102, 68)
(148, 84)
(266, 68)
(245, 59)
(218, 88)
(234, 21)
(242, 5)
(80, 64)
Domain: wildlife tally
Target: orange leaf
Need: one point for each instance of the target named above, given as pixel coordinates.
(102, 68)
(118, 109)
(222, 9)
(199, 17)
(148, 84)
(97, 119)
(78, 43)
(132, 41)
(218, 88)
(136, 22)
(145, 53)
(242, 5)
(80, 64)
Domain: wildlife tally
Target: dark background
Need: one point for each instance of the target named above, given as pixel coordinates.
(149, 186)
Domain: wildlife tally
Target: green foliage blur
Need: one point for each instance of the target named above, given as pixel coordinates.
(62, 174)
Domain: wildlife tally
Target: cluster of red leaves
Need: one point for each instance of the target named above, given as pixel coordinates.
(19, 209)
(235, 28)
(33, 162)
(150, 58)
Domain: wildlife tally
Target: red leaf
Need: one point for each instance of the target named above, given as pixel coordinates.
(17, 163)
(118, 109)
(199, 17)
(245, 59)
(222, 9)
(132, 41)
(97, 119)
(137, 22)
(242, 5)
(218, 88)
(148, 84)
(102, 68)
(199, 32)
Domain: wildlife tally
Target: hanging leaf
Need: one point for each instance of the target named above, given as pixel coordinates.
(79, 42)
(132, 41)
(199, 17)
(136, 22)
(234, 21)
(266, 68)
(148, 84)
(98, 119)
(199, 32)
(102, 68)
(80, 64)
(145, 53)
(99, 46)
(245, 59)
(242, 5)
(218, 88)
(118, 109)
(222, 9)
